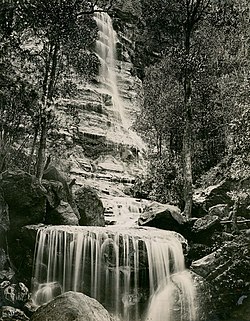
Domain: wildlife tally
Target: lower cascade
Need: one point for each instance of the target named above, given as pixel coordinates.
(136, 273)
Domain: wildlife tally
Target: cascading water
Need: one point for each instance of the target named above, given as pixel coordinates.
(106, 52)
(136, 273)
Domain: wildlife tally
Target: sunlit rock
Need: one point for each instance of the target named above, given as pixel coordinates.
(163, 216)
(72, 306)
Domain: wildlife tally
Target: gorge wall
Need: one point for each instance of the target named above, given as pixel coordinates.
(95, 143)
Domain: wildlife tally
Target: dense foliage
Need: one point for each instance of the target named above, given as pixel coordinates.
(194, 61)
(42, 43)
(193, 58)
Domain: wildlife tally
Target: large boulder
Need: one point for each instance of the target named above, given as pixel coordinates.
(71, 306)
(25, 196)
(58, 189)
(220, 210)
(55, 193)
(205, 198)
(63, 214)
(163, 216)
(204, 228)
(90, 207)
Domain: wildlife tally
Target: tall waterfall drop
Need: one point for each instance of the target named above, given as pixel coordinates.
(137, 274)
(106, 52)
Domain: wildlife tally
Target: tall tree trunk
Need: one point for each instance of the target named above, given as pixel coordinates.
(187, 135)
(32, 149)
(187, 167)
(50, 84)
(42, 149)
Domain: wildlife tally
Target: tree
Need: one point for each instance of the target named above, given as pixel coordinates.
(54, 35)
(17, 99)
(173, 26)
(201, 43)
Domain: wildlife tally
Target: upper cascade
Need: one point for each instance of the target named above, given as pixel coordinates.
(106, 52)
(134, 272)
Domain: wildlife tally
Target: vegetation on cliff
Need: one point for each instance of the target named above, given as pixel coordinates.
(191, 55)
(42, 44)
(194, 59)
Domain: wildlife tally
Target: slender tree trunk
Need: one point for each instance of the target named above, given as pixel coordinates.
(187, 168)
(187, 135)
(32, 148)
(42, 150)
(49, 86)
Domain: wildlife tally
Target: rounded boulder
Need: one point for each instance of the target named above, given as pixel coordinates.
(71, 306)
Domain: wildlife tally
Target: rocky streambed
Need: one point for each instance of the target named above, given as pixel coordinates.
(218, 257)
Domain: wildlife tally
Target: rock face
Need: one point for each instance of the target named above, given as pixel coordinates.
(227, 271)
(204, 228)
(71, 306)
(95, 123)
(21, 251)
(8, 313)
(163, 216)
(25, 198)
(63, 214)
(15, 295)
(204, 199)
(90, 207)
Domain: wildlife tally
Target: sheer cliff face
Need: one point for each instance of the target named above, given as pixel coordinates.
(95, 139)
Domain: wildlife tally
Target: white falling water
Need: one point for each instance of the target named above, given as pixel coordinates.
(137, 274)
(106, 52)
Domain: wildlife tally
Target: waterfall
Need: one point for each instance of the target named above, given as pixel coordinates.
(137, 273)
(106, 52)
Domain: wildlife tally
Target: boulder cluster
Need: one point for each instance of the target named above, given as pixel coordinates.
(218, 254)
(25, 201)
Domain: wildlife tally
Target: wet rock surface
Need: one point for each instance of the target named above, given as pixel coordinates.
(72, 306)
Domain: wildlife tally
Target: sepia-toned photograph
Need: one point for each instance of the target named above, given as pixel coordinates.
(124, 160)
